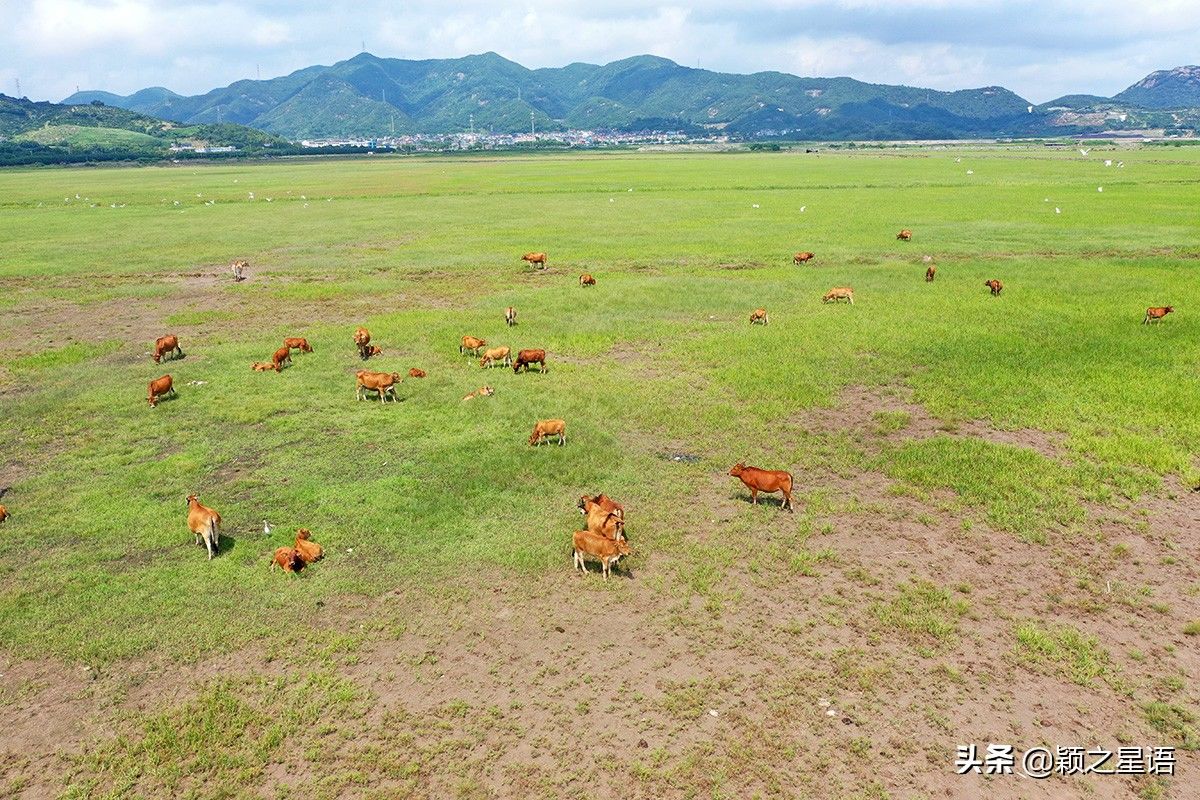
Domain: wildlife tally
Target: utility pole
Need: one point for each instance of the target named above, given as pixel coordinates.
(18, 80)
(472, 124)
(532, 132)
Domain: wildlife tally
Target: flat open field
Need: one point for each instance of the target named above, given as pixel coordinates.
(995, 537)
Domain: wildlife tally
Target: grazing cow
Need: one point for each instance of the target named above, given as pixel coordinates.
(496, 355)
(535, 258)
(416, 373)
(205, 524)
(4, 513)
(586, 279)
(607, 551)
(759, 317)
(298, 343)
(527, 357)
(995, 285)
(238, 268)
(362, 338)
(382, 382)
(546, 428)
(482, 391)
(282, 357)
(803, 258)
(839, 293)
(166, 345)
(1156, 313)
(160, 387)
(288, 559)
(309, 550)
(472, 345)
(260, 366)
(610, 524)
(930, 271)
(370, 351)
(765, 480)
(510, 316)
(905, 235)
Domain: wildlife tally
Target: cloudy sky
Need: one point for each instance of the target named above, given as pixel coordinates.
(1039, 48)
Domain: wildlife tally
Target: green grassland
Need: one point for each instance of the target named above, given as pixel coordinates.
(657, 359)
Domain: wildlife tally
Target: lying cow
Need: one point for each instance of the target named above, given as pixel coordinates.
(308, 550)
(166, 345)
(546, 428)
(527, 357)
(160, 387)
(261, 366)
(607, 551)
(765, 480)
(382, 382)
(482, 391)
(370, 351)
(416, 373)
(288, 559)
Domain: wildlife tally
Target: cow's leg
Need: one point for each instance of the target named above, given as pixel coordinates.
(787, 501)
(754, 497)
(208, 544)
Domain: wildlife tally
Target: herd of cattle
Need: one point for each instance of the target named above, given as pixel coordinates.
(604, 540)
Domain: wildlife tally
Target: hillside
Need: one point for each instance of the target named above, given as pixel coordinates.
(368, 95)
(38, 132)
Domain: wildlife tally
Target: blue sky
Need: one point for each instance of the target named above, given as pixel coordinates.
(1039, 49)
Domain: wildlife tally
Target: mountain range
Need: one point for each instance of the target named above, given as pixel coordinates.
(371, 96)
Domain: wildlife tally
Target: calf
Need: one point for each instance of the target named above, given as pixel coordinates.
(282, 357)
(1156, 313)
(995, 285)
(298, 343)
(165, 345)
(905, 235)
(362, 338)
(205, 524)
(839, 293)
(510, 316)
(482, 391)
(527, 357)
(803, 258)
(546, 428)
(382, 382)
(607, 551)
(472, 345)
(929, 273)
(370, 351)
(288, 559)
(759, 317)
(496, 355)
(535, 258)
(587, 280)
(160, 387)
(416, 373)
(309, 550)
(260, 366)
(3, 513)
(765, 480)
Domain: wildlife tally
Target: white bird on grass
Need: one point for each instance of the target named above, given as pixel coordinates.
(1099, 188)
(1057, 210)
(266, 527)
(970, 172)
(802, 209)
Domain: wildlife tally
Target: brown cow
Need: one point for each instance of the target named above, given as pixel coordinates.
(370, 351)
(205, 524)
(4, 513)
(382, 382)
(309, 550)
(496, 355)
(586, 503)
(472, 345)
(510, 316)
(929, 273)
(260, 366)
(586, 279)
(238, 268)
(288, 559)
(610, 524)
(1156, 313)
(527, 357)
(995, 285)
(606, 551)
(298, 343)
(535, 258)
(282, 357)
(839, 293)
(482, 391)
(765, 480)
(905, 235)
(803, 258)
(362, 338)
(164, 345)
(160, 387)
(759, 317)
(546, 428)
(416, 373)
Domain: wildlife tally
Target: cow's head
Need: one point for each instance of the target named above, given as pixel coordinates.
(191, 498)
(738, 469)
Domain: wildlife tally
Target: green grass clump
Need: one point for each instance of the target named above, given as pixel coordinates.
(1177, 723)
(65, 356)
(923, 611)
(1063, 649)
(1192, 628)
